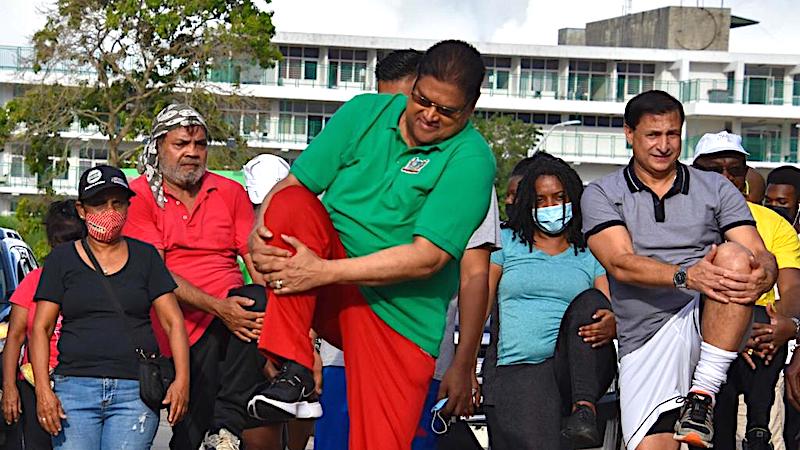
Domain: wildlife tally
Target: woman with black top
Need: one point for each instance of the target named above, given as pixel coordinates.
(95, 402)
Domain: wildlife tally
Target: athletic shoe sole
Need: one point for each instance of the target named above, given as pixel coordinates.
(299, 410)
(692, 439)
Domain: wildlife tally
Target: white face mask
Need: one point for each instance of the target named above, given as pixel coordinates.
(437, 418)
(553, 219)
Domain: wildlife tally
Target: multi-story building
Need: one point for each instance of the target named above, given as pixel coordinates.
(755, 95)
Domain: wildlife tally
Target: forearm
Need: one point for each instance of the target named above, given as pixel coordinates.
(179, 345)
(789, 303)
(190, 295)
(473, 300)
(767, 261)
(40, 356)
(642, 271)
(11, 352)
(472, 317)
(389, 266)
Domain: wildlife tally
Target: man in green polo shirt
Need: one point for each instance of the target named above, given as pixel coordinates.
(373, 267)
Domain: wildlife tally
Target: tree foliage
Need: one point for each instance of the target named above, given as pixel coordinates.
(510, 140)
(113, 64)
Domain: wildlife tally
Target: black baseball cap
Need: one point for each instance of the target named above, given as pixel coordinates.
(100, 178)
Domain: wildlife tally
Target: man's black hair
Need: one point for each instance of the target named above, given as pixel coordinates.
(651, 102)
(521, 220)
(62, 223)
(786, 175)
(456, 62)
(398, 65)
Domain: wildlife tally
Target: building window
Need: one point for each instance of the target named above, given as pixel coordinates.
(498, 72)
(633, 79)
(90, 157)
(536, 118)
(763, 85)
(589, 120)
(796, 91)
(301, 121)
(346, 66)
(299, 63)
(588, 80)
(539, 76)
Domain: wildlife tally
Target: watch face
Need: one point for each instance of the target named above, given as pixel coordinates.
(680, 278)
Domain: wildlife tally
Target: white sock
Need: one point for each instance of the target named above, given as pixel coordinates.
(712, 369)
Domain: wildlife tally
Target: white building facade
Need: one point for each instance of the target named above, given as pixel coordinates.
(754, 95)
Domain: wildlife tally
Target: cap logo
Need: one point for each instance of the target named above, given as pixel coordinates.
(119, 181)
(93, 176)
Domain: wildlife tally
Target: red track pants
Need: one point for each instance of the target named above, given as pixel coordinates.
(387, 374)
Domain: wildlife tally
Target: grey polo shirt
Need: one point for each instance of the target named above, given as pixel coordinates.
(679, 228)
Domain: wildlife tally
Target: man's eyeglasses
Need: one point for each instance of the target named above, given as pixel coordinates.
(441, 109)
(736, 171)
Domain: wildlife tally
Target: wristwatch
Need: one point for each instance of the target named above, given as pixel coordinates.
(679, 279)
(796, 322)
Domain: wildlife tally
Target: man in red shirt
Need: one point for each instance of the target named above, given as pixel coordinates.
(199, 222)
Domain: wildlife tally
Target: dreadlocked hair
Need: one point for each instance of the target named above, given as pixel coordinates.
(521, 218)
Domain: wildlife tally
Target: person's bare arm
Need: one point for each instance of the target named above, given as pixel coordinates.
(305, 270)
(789, 290)
(495, 273)
(614, 249)
(473, 295)
(17, 323)
(48, 406)
(244, 324)
(171, 319)
(767, 338)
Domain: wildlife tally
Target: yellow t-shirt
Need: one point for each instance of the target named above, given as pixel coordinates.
(781, 240)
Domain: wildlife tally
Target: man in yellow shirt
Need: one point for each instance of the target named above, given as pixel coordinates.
(756, 372)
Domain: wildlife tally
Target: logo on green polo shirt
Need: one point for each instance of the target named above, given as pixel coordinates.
(415, 165)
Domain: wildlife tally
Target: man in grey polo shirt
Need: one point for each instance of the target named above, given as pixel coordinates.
(656, 226)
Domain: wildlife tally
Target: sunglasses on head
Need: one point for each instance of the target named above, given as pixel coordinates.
(736, 171)
(441, 109)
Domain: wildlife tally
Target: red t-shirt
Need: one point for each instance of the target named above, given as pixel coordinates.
(199, 245)
(23, 297)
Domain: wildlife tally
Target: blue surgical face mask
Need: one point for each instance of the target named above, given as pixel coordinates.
(553, 219)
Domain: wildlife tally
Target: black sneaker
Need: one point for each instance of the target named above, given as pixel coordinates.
(757, 439)
(696, 426)
(580, 428)
(290, 395)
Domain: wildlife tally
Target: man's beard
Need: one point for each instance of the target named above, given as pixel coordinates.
(181, 178)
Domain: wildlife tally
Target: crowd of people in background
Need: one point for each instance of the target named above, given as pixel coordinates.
(323, 297)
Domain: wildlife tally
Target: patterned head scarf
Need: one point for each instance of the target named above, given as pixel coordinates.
(173, 116)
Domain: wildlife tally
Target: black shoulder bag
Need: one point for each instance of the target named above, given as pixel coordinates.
(156, 372)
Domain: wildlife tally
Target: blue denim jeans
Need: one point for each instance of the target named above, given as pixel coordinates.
(103, 414)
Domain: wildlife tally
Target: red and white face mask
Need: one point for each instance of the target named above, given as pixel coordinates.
(106, 225)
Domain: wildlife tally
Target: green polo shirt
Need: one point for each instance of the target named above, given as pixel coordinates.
(380, 194)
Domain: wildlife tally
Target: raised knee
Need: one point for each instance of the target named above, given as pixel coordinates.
(293, 195)
(733, 256)
(586, 304)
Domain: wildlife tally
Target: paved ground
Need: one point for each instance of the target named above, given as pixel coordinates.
(164, 433)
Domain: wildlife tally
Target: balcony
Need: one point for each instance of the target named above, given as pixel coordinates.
(766, 149)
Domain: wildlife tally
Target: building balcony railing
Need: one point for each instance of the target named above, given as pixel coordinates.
(769, 149)
(530, 84)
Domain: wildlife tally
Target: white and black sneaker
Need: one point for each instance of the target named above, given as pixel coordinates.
(696, 426)
(290, 395)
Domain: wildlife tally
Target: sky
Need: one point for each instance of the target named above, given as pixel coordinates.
(498, 21)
